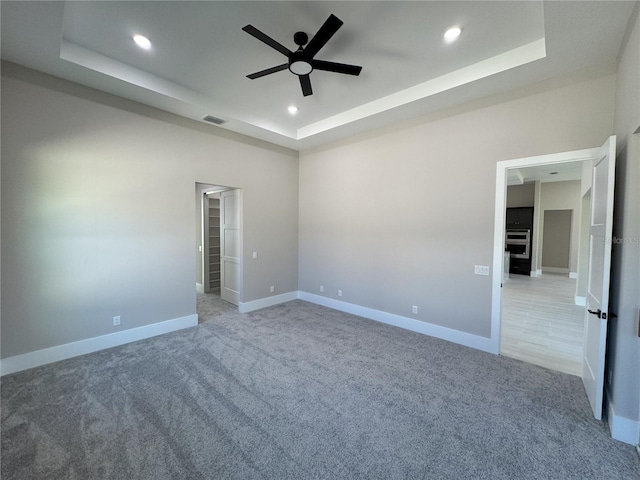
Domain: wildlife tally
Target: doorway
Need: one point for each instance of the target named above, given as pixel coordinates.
(218, 249)
(601, 168)
(556, 241)
(541, 322)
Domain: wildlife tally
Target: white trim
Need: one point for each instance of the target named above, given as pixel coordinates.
(573, 275)
(581, 301)
(246, 307)
(199, 288)
(555, 270)
(455, 336)
(622, 429)
(534, 273)
(37, 358)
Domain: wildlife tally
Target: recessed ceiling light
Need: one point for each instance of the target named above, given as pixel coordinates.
(292, 109)
(142, 41)
(452, 33)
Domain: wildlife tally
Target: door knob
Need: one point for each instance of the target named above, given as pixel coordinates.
(598, 313)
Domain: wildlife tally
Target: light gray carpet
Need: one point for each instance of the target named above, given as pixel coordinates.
(210, 305)
(300, 391)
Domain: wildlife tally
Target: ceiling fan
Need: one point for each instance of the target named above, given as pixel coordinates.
(301, 62)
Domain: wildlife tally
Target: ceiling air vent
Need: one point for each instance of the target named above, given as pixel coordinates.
(212, 119)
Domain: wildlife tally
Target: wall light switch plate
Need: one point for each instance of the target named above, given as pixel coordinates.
(481, 270)
(255, 255)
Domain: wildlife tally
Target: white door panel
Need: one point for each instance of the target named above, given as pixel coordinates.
(230, 246)
(232, 243)
(597, 302)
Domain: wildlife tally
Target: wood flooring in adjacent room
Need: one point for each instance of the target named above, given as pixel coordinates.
(541, 323)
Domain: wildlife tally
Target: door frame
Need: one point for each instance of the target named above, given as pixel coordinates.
(500, 224)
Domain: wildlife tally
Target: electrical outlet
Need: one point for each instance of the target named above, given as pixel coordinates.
(272, 288)
(255, 255)
(481, 270)
(339, 293)
(116, 320)
(414, 309)
(321, 288)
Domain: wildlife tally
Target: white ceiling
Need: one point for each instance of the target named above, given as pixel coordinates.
(200, 56)
(556, 172)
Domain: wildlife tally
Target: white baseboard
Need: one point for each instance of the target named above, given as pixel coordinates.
(581, 301)
(455, 336)
(247, 307)
(555, 270)
(573, 275)
(25, 361)
(199, 287)
(622, 429)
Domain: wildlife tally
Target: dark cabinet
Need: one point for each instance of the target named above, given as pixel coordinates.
(520, 266)
(520, 217)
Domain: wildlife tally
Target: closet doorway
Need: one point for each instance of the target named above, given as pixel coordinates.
(219, 242)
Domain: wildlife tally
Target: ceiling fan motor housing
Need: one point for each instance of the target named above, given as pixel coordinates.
(300, 39)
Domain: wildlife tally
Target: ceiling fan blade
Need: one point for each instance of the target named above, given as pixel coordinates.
(327, 30)
(268, 71)
(251, 30)
(305, 83)
(336, 67)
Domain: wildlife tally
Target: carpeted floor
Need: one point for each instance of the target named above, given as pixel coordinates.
(298, 391)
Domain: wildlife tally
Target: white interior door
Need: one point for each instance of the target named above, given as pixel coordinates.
(597, 301)
(230, 246)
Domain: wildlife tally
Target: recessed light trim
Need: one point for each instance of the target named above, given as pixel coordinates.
(142, 41)
(292, 109)
(452, 33)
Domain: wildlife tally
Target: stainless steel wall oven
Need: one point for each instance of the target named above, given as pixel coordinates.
(518, 243)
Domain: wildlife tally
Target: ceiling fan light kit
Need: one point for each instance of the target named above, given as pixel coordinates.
(302, 62)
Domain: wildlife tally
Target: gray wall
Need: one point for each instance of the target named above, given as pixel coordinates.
(98, 211)
(561, 196)
(521, 195)
(557, 238)
(399, 217)
(623, 357)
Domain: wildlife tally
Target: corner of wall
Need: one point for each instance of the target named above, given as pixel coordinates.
(622, 429)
